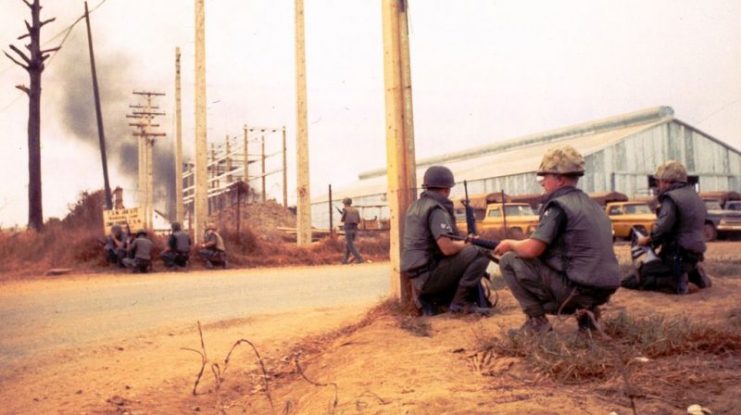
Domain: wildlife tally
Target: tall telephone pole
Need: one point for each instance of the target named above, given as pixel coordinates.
(401, 164)
(303, 204)
(98, 113)
(200, 202)
(143, 116)
(179, 208)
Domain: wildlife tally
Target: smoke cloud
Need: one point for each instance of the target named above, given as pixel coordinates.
(115, 73)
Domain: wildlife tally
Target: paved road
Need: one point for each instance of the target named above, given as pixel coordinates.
(39, 316)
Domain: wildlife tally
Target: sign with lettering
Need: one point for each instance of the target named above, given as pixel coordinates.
(133, 217)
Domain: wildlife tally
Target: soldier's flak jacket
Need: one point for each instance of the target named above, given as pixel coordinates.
(583, 251)
(689, 221)
(420, 248)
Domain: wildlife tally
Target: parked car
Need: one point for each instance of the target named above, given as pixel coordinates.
(628, 215)
(520, 219)
(720, 221)
(734, 205)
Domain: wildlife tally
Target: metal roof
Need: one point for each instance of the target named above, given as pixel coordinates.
(523, 154)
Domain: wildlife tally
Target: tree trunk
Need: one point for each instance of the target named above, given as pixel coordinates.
(35, 210)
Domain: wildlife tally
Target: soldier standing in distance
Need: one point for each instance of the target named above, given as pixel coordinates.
(568, 263)
(442, 270)
(350, 220)
(679, 234)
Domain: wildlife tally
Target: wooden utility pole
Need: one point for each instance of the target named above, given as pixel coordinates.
(146, 137)
(401, 165)
(303, 203)
(179, 207)
(34, 65)
(246, 157)
(201, 178)
(98, 113)
(331, 212)
(262, 164)
(285, 170)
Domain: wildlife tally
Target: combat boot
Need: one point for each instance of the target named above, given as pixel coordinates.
(699, 277)
(536, 325)
(461, 305)
(584, 322)
(468, 308)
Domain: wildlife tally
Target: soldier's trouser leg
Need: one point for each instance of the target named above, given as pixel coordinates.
(351, 246)
(658, 276)
(168, 258)
(464, 270)
(537, 288)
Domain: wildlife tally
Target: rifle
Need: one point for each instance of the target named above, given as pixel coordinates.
(483, 243)
(338, 209)
(470, 218)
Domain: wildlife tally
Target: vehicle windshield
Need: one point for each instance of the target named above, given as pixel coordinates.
(712, 205)
(518, 210)
(637, 209)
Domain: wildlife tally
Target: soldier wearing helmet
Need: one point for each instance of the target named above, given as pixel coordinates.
(350, 220)
(443, 271)
(140, 253)
(115, 246)
(679, 234)
(567, 266)
(213, 250)
(177, 252)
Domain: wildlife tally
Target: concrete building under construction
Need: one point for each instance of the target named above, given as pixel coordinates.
(621, 153)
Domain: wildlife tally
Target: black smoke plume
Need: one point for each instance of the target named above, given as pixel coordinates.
(116, 75)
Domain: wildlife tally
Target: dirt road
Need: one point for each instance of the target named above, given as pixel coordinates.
(43, 316)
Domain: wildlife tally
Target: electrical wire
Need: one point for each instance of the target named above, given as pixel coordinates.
(65, 32)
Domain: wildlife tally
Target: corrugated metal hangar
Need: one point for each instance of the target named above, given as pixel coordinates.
(620, 152)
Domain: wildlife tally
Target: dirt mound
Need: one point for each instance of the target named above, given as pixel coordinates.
(392, 363)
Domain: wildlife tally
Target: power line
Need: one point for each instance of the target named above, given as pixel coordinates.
(723, 108)
(66, 32)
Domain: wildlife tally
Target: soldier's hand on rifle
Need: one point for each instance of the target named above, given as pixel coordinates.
(503, 247)
(644, 240)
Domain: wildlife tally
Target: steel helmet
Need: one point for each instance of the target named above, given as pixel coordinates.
(671, 171)
(438, 177)
(347, 201)
(176, 226)
(563, 160)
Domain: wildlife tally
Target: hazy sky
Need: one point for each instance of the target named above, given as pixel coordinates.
(482, 71)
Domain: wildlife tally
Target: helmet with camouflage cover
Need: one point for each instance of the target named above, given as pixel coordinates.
(671, 171)
(438, 177)
(562, 159)
(347, 201)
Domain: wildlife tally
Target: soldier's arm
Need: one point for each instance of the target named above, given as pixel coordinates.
(664, 223)
(440, 226)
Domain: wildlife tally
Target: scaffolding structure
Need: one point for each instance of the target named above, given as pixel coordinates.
(235, 166)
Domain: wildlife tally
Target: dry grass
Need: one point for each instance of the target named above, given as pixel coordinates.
(76, 242)
(579, 358)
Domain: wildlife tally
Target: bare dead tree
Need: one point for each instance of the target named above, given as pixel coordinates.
(33, 63)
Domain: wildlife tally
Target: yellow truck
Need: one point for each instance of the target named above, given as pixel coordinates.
(520, 220)
(630, 214)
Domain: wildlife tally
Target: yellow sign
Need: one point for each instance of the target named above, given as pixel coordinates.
(134, 217)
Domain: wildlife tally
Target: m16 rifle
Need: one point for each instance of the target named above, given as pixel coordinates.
(470, 217)
(471, 226)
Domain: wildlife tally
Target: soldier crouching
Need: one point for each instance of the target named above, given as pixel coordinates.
(567, 265)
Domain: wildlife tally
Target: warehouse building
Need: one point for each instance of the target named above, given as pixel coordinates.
(621, 153)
